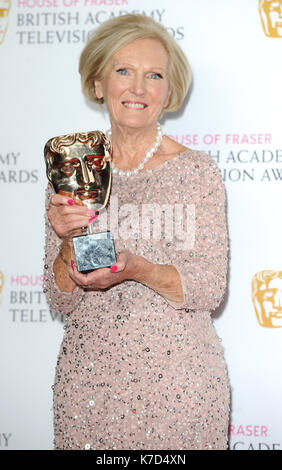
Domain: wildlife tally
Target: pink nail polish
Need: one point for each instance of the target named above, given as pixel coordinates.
(93, 218)
(71, 202)
(90, 212)
(113, 268)
(72, 264)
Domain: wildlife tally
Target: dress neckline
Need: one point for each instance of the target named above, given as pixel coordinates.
(147, 171)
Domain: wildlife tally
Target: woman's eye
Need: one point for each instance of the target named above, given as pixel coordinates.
(156, 76)
(122, 71)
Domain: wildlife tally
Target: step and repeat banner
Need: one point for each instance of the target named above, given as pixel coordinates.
(233, 112)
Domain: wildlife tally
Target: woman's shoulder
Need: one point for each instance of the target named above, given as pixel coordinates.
(172, 149)
(198, 158)
(195, 168)
(202, 167)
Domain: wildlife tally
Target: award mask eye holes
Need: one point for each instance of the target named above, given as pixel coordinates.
(96, 163)
(269, 295)
(274, 6)
(69, 168)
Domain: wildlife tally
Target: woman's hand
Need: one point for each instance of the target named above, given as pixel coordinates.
(163, 279)
(68, 217)
(103, 278)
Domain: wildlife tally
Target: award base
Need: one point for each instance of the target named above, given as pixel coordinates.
(94, 251)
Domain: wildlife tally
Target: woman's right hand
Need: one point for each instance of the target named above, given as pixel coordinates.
(67, 217)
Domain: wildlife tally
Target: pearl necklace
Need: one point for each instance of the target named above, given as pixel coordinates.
(148, 155)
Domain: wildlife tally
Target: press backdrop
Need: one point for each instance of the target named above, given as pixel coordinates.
(233, 113)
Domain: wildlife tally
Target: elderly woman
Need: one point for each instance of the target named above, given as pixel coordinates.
(140, 365)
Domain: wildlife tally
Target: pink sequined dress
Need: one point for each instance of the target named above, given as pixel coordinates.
(136, 371)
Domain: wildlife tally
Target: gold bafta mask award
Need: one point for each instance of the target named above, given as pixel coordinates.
(79, 166)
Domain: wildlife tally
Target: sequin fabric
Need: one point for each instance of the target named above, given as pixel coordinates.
(136, 371)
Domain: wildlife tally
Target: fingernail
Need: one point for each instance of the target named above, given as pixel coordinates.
(93, 218)
(90, 212)
(72, 264)
(113, 268)
(71, 202)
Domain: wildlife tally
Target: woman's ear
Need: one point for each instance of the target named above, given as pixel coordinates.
(98, 89)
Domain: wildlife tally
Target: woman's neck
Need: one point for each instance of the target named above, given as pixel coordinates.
(129, 145)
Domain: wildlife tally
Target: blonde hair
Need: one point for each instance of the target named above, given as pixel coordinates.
(116, 33)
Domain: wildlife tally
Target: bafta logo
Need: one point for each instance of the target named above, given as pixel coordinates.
(271, 17)
(267, 298)
(5, 6)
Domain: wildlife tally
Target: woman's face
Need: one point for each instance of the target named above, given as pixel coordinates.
(135, 84)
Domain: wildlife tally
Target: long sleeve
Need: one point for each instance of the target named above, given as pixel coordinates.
(61, 302)
(203, 267)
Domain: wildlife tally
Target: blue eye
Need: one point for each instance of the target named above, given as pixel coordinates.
(122, 71)
(156, 76)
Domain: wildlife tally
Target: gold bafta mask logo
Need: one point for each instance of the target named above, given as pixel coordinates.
(271, 17)
(5, 6)
(267, 298)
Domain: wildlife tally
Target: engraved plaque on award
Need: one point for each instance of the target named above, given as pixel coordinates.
(79, 166)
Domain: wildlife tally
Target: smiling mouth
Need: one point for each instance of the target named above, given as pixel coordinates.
(134, 105)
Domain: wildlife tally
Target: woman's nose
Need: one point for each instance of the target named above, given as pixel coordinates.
(138, 86)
